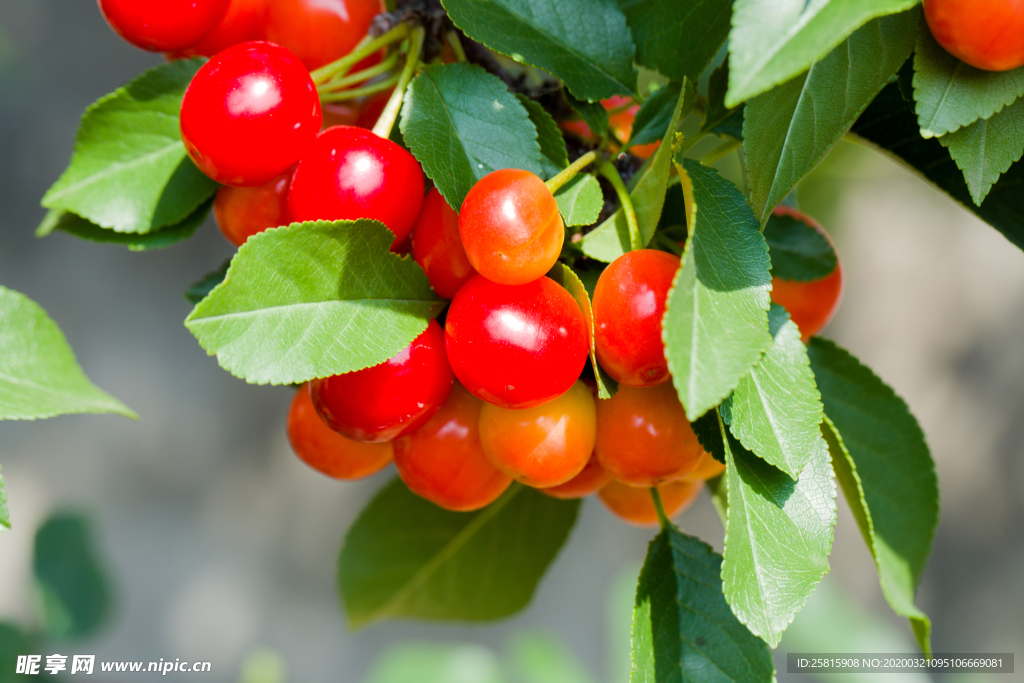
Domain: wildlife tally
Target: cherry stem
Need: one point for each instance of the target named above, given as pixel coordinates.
(360, 76)
(390, 114)
(608, 170)
(366, 47)
(453, 40)
(727, 147)
(570, 171)
(659, 508)
(353, 93)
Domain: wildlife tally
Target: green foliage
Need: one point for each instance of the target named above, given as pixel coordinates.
(129, 171)
(13, 642)
(683, 629)
(720, 119)
(679, 38)
(407, 557)
(985, 149)
(654, 117)
(593, 114)
(5, 515)
(709, 434)
(585, 43)
(798, 251)
(886, 472)
(312, 300)
(775, 410)
(39, 376)
(423, 663)
(789, 130)
(72, 584)
(777, 538)
(716, 325)
(450, 120)
(564, 275)
(580, 200)
(135, 241)
(553, 157)
(539, 658)
(201, 288)
(951, 94)
(772, 42)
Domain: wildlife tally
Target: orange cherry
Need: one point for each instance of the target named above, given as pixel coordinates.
(241, 212)
(707, 468)
(634, 504)
(589, 481)
(436, 246)
(987, 34)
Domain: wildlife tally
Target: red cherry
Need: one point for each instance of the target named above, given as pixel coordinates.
(350, 173)
(437, 248)
(987, 34)
(590, 480)
(516, 346)
(510, 227)
(629, 303)
(388, 400)
(320, 31)
(327, 451)
(242, 212)
(165, 25)
(243, 22)
(444, 461)
(249, 113)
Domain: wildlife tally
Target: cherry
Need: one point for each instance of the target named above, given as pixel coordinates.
(444, 462)
(319, 31)
(165, 25)
(510, 227)
(644, 438)
(249, 113)
(242, 22)
(987, 34)
(242, 212)
(389, 400)
(589, 481)
(350, 173)
(327, 451)
(437, 248)
(516, 346)
(545, 445)
(620, 123)
(707, 468)
(629, 303)
(811, 305)
(635, 505)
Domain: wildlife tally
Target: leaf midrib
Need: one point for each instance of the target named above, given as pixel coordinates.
(112, 169)
(269, 309)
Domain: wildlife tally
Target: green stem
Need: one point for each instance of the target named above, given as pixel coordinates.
(453, 40)
(612, 174)
(570, 171)
(360, 76)
(366, 47)
(353, 93)
(659, 508)
(390, 114)
(727, 147)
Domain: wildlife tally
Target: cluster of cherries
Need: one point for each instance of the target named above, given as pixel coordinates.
(496, 395)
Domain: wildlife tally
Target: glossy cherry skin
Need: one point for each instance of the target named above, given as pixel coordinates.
(644, 438)
(444, 462)
(629, 303)
(516, 346)
(319, 31)
(242, 212)
(545, 445)
(591, 479)
(249, 114)
(389, 400)
(242, 22)
(436, 246)
(987, 34)
(350, 173)
(635, 506)
(510, 227)
(327, 451)
(707, 468)
(811, 305)
(165, 25)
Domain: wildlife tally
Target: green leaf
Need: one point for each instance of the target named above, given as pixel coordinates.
(135, 241)
(716, 322)
(890, 125)
(683, 629)
(679, 38)
(5, 515)
(988, 147)
(411, 662)
(580, 200)
(538, 658)
(312, 300)
(201, 288)
(406, 557)
(777, 538)
(73, 586)
(585, 43)
(772, 42)
(718, 491)
(564, 275)
(610, 240)
(798, 251)
(720, 119)
(39, 376)
(593, 113)
(776, 409)
(553, 157)
(655, 115)
(129, 171)
(789, 130)
(453, 117)
(886, 471)
(950, 93)
(709, 435)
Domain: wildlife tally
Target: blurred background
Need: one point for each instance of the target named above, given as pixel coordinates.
(219, 545)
